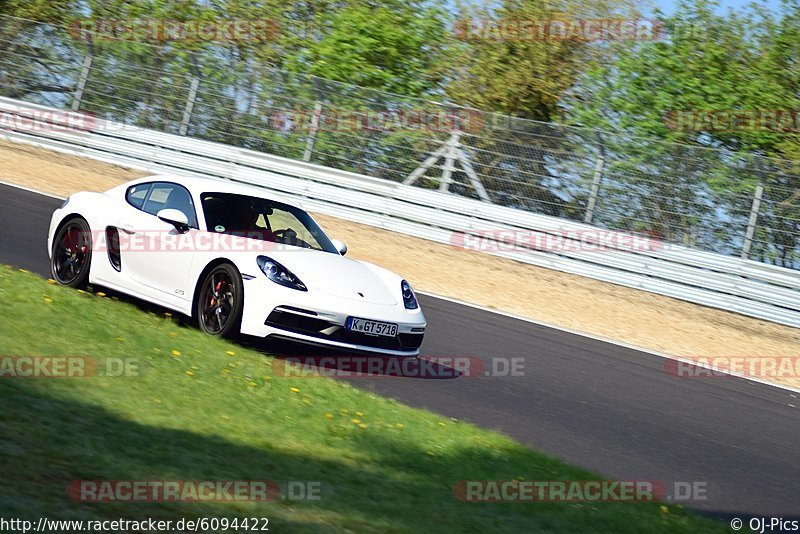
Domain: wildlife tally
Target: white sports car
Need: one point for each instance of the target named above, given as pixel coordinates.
(236, 259)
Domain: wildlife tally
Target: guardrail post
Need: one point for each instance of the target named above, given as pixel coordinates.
(191, 98)
(83, 78)
(596, 179)
(312, 132)
(751, 224)
(449, 166)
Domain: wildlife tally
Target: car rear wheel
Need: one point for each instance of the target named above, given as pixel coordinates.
(72, 254)
(220, 301)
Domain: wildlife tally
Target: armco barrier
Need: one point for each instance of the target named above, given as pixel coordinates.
(743, 286)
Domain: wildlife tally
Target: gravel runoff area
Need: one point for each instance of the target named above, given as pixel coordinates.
(638, 318)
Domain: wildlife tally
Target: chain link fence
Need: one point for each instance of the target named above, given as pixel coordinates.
(726, 202)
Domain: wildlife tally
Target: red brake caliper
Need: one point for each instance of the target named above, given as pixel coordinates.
(216, 290)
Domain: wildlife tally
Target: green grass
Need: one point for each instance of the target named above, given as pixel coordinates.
(207, 415)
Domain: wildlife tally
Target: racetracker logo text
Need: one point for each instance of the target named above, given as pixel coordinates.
(193, 490)
(68, 367)
(556, 241)
(426, 367)
(578, 491)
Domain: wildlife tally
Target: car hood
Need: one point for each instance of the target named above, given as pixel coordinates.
(338, 276)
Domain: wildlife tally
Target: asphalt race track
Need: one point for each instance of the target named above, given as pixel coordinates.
(608, 408)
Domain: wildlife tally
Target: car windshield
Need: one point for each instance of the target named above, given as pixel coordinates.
(263, 219)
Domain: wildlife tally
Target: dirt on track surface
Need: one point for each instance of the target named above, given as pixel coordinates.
(601, 309)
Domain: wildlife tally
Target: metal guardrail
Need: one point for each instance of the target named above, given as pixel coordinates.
(744, 286)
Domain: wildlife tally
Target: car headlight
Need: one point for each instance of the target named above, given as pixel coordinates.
(409, 299)
(280, 274)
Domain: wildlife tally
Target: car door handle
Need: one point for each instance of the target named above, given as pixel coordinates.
(128, 229)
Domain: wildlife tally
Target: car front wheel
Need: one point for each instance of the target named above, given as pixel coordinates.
(220, 301)
(72, 254)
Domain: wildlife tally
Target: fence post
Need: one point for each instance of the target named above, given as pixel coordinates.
(449, 162)
(599, 167)
(312, 132)
(191, 98)
(596, 179)
(751, 224)
(83, 78)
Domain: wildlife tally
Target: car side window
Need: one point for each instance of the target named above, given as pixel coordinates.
(136, 195)
(164, 195)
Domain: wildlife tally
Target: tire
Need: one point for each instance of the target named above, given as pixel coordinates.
(72, 254)
(220, 301)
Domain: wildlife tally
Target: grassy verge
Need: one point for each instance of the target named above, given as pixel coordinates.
(204, 409)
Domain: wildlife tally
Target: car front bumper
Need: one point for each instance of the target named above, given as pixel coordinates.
(276, 312)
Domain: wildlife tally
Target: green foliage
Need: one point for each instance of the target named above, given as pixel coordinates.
(393, 48)
(197, 408)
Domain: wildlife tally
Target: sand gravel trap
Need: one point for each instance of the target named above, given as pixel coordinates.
(642, 319)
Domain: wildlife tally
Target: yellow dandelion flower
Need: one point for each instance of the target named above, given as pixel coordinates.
(195, 367)
(157, 401)
(173, 334)
(441, 423)
(230, 353)
(344, 412)
(232, 364)
(360, 414)
(167, 314)
(294, 390)
(226, 370)
(329, 416)
(121, 339)
(51, 282)
(176, 353)
(23, 270)
(252, 384)
(355, 421)
(100, 294)
(190, 373)
(362, 426)
(266, 378)
(664, 509)
(399, 426)
(48, 300)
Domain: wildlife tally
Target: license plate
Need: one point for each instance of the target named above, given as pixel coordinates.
(373, 328)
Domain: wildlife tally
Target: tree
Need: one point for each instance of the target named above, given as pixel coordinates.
(392, 47)
(685, 89)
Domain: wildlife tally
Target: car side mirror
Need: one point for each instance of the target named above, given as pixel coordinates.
(176, 218)
(340, 246)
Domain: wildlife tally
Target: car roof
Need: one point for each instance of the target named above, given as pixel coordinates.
(198, 185)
